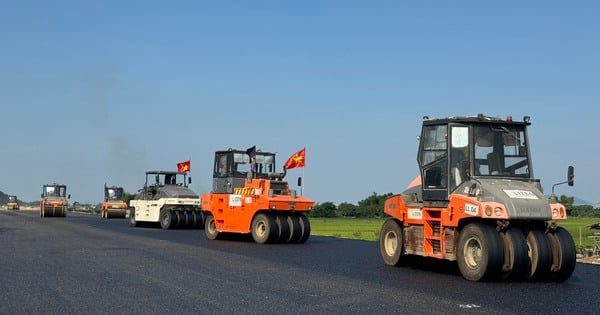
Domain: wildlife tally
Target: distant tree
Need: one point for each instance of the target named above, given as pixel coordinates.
(372, 206)
(346, 209)
(585, 211)
(324, 210)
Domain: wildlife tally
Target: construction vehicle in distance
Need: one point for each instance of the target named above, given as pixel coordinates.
(254, 199)
(12, 203)
(114, 205)
(54, 200)
(477, 203)
(166, 199)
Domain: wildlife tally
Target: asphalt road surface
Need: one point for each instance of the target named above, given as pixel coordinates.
(83, 264)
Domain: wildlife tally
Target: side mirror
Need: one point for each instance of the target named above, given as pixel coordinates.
(69, 196)
(571, 176)
(299, 181)
(189, 180)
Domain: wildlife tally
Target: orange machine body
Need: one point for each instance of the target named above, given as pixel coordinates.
(248, 196)
(234, 212)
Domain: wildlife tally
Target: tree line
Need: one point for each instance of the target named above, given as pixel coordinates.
(372, 207)
(578, 210)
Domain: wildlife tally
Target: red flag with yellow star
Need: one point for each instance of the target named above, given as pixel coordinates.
(296, 160)
(184, 166)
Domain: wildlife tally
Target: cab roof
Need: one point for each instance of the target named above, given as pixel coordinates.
(258, 151)
(479, 119)
(164, 173)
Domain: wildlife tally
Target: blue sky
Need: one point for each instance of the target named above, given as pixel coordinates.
(96, 92)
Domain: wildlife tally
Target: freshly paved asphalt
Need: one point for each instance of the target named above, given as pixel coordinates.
(83, 264)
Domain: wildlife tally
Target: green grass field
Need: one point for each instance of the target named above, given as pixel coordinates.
(368, 229)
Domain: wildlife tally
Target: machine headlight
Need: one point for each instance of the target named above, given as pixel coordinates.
(488, 211)
(497, 211)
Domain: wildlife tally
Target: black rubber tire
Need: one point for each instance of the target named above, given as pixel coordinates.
(193, 219)
(305, 226)
(295, 229)
(189, 219)
(166, 219)
(391, 242)
(185, 218)
(564, 254)
(210, 228)
(283, 229)
(176, 218)
(516, 258)
(201, 215)
(263, 228)
(480, 254)
(132, 221)
(540, 255)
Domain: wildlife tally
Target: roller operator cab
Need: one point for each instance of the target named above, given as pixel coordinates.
(12, 203)
(477, 202)
(114, 205)
(248, 196)
(166, 199)
(54, 200)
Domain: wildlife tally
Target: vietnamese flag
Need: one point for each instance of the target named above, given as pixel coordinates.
(184, 166)
(296, 160)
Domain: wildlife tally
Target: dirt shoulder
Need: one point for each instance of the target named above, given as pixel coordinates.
(589, 260)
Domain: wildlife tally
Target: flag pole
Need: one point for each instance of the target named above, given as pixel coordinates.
(303, 182)
(303, 174)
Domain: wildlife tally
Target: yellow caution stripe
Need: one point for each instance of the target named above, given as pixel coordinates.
(243, 191)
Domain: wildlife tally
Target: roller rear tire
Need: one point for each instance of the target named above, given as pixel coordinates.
(516, 259)
(132, 221)
(480, 253)
(263, 228)
(166, 219)
(540, 255)
(305, 225)
(564, 255)
(391, 240)
(210, 228)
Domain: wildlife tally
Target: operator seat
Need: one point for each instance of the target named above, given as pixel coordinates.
(493, 163)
